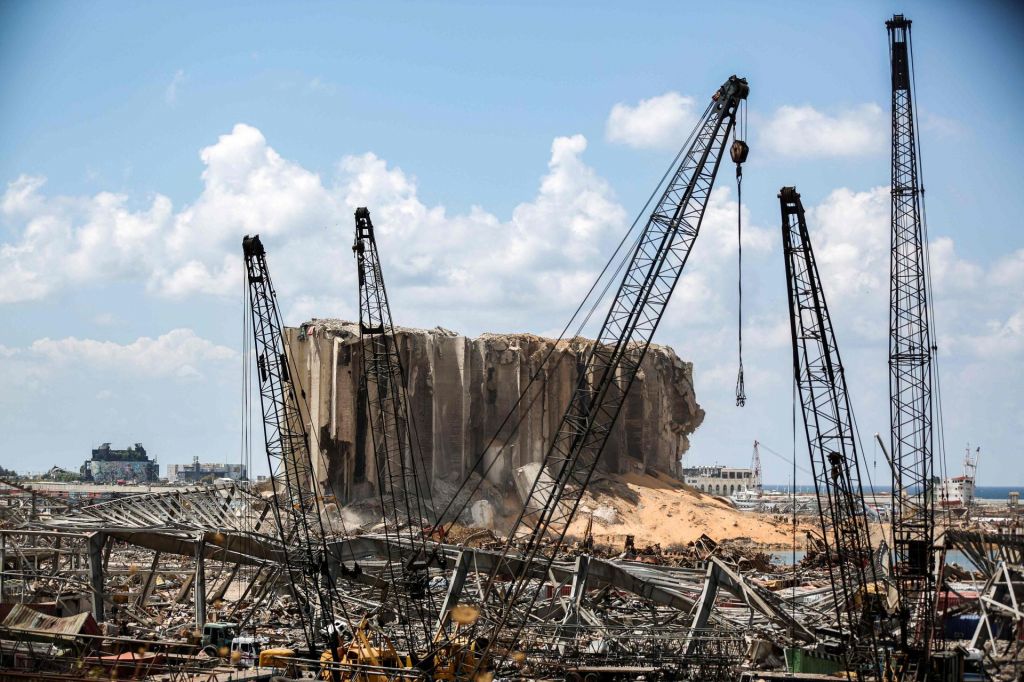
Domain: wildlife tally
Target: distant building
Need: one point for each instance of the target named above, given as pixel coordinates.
(719, 480)
(958, 491)
(197, 471)
(58, 474)
(113, 466)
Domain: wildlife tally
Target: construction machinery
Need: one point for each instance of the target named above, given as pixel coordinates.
(755, 467)
(910, 367)
(403, 492)
(298, 516)
(831, 441)
(607, 373)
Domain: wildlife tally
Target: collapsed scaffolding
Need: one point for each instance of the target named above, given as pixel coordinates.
(155, 569)
(163, 565)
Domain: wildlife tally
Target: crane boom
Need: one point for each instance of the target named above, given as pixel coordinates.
(288, 453)
(610, 367)
(831, 438)
(910, 363)
(403, 492)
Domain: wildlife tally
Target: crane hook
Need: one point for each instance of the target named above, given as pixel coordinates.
(738, 152)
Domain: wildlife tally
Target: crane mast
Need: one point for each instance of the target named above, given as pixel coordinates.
(288, 453)
(910, 363)
(831, 438)
(609, 369)
(404, 494)
(755, 466)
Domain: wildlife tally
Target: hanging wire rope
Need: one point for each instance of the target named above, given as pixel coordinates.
(930, 302)
(739, 153)
(796, 573)
(248, 573)
(787, 460)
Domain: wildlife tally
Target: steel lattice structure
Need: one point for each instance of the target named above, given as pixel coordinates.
(403, 492)
(613, 361)
(288, 453)
(828, 425)
(910, 361)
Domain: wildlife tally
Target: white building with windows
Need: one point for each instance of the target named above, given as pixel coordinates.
(720, 480)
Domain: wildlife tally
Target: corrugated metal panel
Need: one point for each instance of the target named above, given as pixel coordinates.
(22, 617)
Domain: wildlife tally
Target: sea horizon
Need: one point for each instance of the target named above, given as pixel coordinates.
(989, 493)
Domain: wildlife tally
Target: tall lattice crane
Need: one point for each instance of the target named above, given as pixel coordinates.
(755, 467)
(610, 368)
(831, 437)
(910, 363)
(403, 490)
(299, 521)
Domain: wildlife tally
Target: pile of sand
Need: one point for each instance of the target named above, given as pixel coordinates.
(661, 510)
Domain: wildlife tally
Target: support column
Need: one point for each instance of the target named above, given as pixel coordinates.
(703, 608)
(3, 563)
(186, 587)
(107, 547)
(245, 593)
(56, 554)
(97, 541)
(273, 575)
(455, 585)
(579, 584)
(147, 587)
(222, 588)
(200, 583)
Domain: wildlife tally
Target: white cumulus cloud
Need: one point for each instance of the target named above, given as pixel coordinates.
(999, 338)
(1009, 271)
(551, 242)
(178, 353)
(850, 234)
(803, 131)
(661, 122)
(74, 240)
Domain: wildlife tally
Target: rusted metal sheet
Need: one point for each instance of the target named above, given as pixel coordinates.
(24, 618)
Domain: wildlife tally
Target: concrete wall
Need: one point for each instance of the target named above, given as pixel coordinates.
(460, 390)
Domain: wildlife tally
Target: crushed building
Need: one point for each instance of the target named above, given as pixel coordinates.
(208, 472)
(461, 389)
(722, 480)
(111, 466)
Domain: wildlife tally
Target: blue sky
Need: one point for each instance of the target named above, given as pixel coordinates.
(502, 148)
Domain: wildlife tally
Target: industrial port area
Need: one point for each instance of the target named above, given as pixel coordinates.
(439, 507)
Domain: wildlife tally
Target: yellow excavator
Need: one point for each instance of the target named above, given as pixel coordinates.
(371, 656)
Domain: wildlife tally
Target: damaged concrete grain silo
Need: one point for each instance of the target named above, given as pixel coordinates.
(460, 391)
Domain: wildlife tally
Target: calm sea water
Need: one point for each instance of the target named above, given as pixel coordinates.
(997, 493)
(784, 557)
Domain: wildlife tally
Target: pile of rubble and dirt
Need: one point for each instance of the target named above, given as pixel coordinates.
(658, 510)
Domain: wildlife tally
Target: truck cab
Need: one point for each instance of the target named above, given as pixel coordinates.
(219, 635)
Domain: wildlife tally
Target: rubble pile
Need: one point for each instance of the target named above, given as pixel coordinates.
(141, 579)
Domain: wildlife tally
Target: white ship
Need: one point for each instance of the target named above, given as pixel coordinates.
(747, 500)
(958, 492)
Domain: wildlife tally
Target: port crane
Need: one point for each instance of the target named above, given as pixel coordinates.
(911, 367)
(755, 466)
(608, 372)
(403, 491)
(831, 440)
(299, 520)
